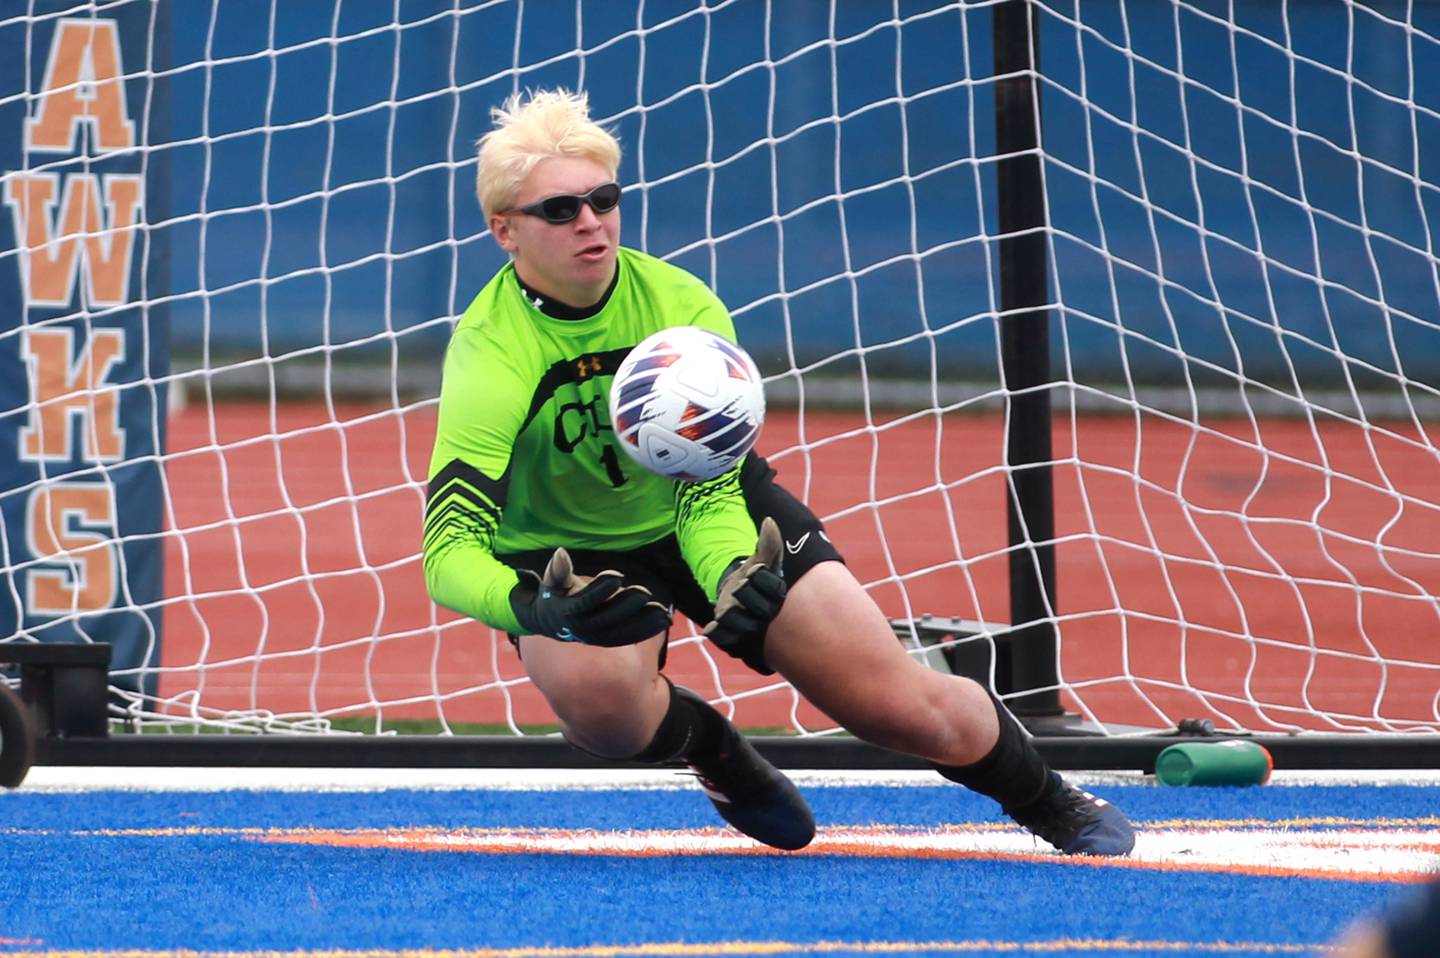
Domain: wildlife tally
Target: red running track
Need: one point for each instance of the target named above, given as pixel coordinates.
(291, 554)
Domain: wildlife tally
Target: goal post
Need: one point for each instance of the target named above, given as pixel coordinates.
(1025, 368)
(1159, 277)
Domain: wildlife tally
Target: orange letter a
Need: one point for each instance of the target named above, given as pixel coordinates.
(83, 85)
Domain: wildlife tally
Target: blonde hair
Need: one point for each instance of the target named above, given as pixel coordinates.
(527, 130)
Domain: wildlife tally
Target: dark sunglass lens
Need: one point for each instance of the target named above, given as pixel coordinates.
(605, 198)
(561, 209)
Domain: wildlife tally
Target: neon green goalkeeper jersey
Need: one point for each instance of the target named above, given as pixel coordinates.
(525, 457)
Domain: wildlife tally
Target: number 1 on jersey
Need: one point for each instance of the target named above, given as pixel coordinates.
(612, 467)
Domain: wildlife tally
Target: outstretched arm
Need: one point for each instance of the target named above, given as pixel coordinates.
(462, 514)
(483, 402)
(750, 595)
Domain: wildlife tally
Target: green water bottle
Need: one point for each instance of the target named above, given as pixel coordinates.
(1232, 762)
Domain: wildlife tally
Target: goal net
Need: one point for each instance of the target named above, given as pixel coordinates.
(234, 243)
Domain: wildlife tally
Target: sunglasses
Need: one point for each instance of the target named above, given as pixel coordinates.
(564, 207)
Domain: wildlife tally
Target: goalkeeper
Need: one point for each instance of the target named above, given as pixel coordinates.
(534, 525)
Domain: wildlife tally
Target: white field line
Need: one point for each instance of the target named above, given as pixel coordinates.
(1398, 854)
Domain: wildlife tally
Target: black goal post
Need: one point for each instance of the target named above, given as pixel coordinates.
(1032, 687)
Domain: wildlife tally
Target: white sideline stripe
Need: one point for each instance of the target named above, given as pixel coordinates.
(61, 778)
(1362, 854)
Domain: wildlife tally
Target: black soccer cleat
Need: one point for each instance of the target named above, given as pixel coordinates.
(756, 797)
(1075, 821)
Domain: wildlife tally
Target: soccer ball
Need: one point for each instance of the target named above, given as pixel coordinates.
(687, 403)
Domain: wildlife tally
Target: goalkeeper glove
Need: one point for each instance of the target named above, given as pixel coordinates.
(599, 611)
(751, 593)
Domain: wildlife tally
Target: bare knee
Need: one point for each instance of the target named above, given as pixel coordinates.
(940, 718)
(861, 677)
(916, 726)
(613, 717)
(609, 701)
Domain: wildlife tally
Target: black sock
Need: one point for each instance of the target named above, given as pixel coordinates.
(691, 731)
(1012, 773)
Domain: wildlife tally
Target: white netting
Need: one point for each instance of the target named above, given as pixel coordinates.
(1245, 329)
(1259, 530)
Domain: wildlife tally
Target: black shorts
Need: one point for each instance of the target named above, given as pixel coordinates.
(660, 567)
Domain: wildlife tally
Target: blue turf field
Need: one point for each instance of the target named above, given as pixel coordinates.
(113, 871)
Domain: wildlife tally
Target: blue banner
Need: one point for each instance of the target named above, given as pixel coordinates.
(82, 356)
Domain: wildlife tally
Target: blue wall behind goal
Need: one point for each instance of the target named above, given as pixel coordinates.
(1217, 190)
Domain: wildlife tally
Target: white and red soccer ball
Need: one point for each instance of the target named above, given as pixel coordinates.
(687, 403)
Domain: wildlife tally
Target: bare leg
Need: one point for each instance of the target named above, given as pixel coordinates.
(609, 701)
(834, 644)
